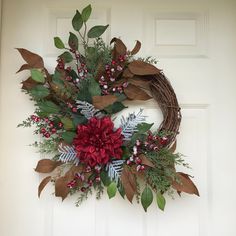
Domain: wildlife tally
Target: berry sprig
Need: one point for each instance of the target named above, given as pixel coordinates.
(86, 182)
(47, 127)
(112, 71)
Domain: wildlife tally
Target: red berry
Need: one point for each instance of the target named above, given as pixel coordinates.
(113, 62)
(53, 130)
(74, 109)
(138, 160)
(128, 162)
(142, 168)
(163, 140)
(46, 119)
(43, 130)
(60, 125)
(37, 119)
(83, 189)
(51, 124)
(98, 179)
(88, 169)
(46, 135)
(33, 117)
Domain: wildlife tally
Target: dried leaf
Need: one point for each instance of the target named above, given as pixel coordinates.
(28, 84)
(140, 82)
(136, 48)
(70, 174)
(186, 185)
(61, 189)
(142, 68)
(135, 93)
(145, 160)
(100, 102)
(46, 165)
(24, 67)
(173, 147)
(34, 60)
(127, 73)
(129, 183)
(120, 47)
(43, 183)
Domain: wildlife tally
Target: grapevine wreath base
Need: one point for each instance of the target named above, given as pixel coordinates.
(75, 109)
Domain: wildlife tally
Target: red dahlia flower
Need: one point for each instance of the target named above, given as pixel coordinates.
(97, 141)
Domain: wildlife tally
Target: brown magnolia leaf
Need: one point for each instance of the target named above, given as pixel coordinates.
(142, 68)
(24, 67)
(120, 47)
(146, 161)
(28, 84)
(140, 82)
(100, 102)
(127, 73)
(43, 183)
(136, 48)
(46, 165)
(135, 93)
(186, 185)
(129, 183)
(173, 147)
(61, 189)
(34, 60)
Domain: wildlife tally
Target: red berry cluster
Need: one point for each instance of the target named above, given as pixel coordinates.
(74, 109)
(155, 142)
(87, 183)
(60, 64)
(47, 126)
(111, 71)
(134, 158)
(81, 67)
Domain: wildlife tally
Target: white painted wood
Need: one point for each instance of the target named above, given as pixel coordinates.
(201, 68)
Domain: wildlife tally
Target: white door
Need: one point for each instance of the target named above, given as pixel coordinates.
(195, 43)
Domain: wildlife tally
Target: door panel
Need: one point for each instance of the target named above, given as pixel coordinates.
(194, 42)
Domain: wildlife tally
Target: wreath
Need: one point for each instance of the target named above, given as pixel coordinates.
(75, 110)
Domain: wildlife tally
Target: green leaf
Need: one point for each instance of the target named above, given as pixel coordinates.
(144, 127)
(105, 178)
(68, 136)
(161, 201)
(94, 88)
(48, 107)
(37, 76)
(67, 123)
(111, 190)
(77, 21)
(39, 91)
(66, 57)
(97, 31)
(79, 119)
(86, 12)
(146, 198)
(58, 43)
(115, 107)
(120, 97)
(73, 41)
(121, 190)
(56, 78)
